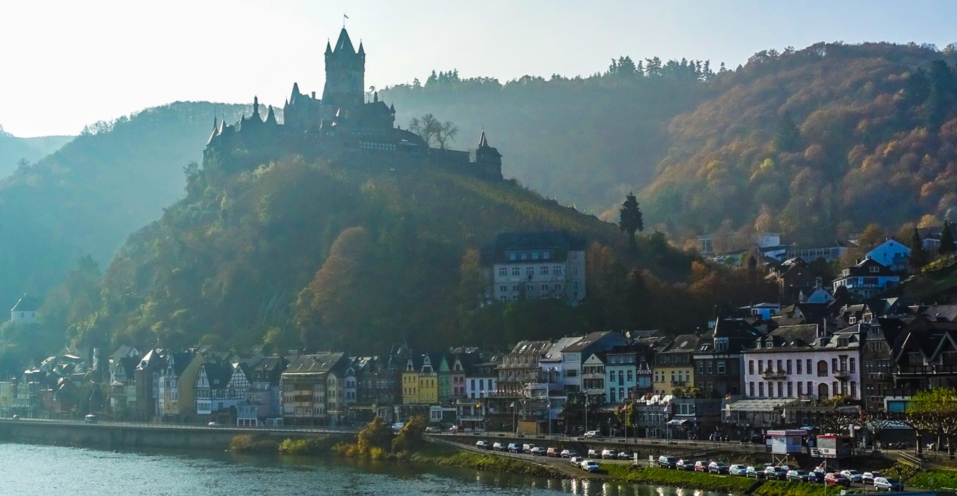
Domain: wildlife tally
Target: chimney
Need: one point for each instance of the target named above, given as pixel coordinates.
(313, 95)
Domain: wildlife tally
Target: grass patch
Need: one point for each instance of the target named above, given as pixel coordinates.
(450, 457)
(780, 488)
(933, 479)
(679, 478)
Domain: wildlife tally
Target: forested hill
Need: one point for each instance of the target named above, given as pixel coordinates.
(313, 254)
(583, 140)
(15, 151)
(815, 143)
(88, 196)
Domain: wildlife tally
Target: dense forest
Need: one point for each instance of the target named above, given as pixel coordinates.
(19, 152)
(582, 140)
(816, 143)
(85, 198)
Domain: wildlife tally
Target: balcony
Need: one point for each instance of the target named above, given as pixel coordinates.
(841, 374)
(773, 375)
(927, 370)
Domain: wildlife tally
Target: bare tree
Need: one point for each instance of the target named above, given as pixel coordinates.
(434, 132)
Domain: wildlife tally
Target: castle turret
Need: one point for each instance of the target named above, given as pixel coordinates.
(271, 117)
(488, 159)
(345, 74)
(215, 131)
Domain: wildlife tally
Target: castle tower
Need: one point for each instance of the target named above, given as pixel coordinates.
(345, 75)
(488, 159)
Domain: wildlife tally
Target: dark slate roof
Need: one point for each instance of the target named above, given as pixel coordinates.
(128, 364)
(318, 363)
(531, 347)
(863, 269)
(684, 343)
(586, 341)
(558, 242)
(344, 43)
(26, 303)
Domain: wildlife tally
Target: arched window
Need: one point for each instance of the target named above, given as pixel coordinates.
(822, 368)
(822, 391)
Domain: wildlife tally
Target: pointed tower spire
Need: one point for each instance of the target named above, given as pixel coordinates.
(328, 47)
(392, 109)
(255, 106)
(375, 97)
(483, 142)
(344, 43)
(270, 116)
(362, 51)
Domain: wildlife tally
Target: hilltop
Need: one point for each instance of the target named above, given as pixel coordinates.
(815, 143)
(15, 151)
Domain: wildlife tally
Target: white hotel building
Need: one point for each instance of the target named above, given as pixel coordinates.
(535, 265)
(795, 362)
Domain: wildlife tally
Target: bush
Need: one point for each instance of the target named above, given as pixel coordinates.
(410, 437)
(240, 443)
(377, 454)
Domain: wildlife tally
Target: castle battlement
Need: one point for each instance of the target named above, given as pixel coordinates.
(340, 127)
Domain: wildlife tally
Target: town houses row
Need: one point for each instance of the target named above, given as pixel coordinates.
(747, 372)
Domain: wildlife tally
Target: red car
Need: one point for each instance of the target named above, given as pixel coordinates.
(700, 466)
(833, 479)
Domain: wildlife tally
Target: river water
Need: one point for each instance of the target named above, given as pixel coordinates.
(27, 470)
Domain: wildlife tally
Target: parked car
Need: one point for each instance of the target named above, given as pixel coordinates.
(527, 448)
(569, 453)
(454, 428)
(498, 447)
(665, 461)
(608, 454)
(833, 479)
(537, 451)
(815, 476)
(625, 455)
(483, 445)
(756, 439)
(432, 430)
(853, 475)
(718, 468)
(592, 434)
(888, 483)
(869, 477)
(396, 427)
(775, 473)
(754, 472)
(514, 448)
(684, 464)
(700, 466)
(15, 417)
(214, 424)
(552, 452)
(576, 460)
(739, 470)
(590, 466)
(90, 419)
(592, 453)
(797, 476)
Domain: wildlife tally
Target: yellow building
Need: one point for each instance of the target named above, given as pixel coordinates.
(420, 382)
(674, 367)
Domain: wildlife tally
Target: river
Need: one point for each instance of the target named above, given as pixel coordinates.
(27, 470)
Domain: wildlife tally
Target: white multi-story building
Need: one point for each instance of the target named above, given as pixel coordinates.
(797, 362)
(535, 265)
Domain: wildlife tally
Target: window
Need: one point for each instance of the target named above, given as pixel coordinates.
(875, 269)
(853, 389)
(822, 368)
(543, 270)
(798, 366)
(574, 271)
(630, 376)
(834, 367)
(710, 367)
(502, 289)
(751, 389)
(751, 368)
(789, 370)
(701, 368)
(780, 368)
(790, 389)
(853, 365)
(800, 386)
(761, 389)
(557, 270)
(760, 366)
(529, 271)
(524, 256)
(511, 256)
(516, 271)
(502, 271)
(721, 367)
(534, 255)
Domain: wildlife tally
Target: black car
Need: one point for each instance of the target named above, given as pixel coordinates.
(667, 461)
(514, 448)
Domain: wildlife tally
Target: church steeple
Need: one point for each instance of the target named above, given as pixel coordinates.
(255, 106)
(361, 51)
(344, 43)
(328, 48)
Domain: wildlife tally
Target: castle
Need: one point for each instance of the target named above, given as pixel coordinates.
(341, 127)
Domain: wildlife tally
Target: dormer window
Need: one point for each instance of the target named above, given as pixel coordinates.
(875, 269)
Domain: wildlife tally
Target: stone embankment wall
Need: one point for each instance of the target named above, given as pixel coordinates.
(116, 435)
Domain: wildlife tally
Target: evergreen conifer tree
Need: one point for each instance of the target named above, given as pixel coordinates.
(629, 217)
(918, 255)
(947, 245)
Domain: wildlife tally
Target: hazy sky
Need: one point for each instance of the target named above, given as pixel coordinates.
(69, 63)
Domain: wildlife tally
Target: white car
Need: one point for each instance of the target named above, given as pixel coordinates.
(592, 453)
(608, 453)
(869, 477)
(739, 470)
(590, 466)
(576, 460)
(853, 475)
(592, 434)
(889, 483)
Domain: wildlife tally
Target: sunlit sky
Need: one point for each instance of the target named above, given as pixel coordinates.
(68, 63)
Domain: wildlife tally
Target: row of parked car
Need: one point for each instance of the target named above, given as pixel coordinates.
(531, 449)
(784, 473)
